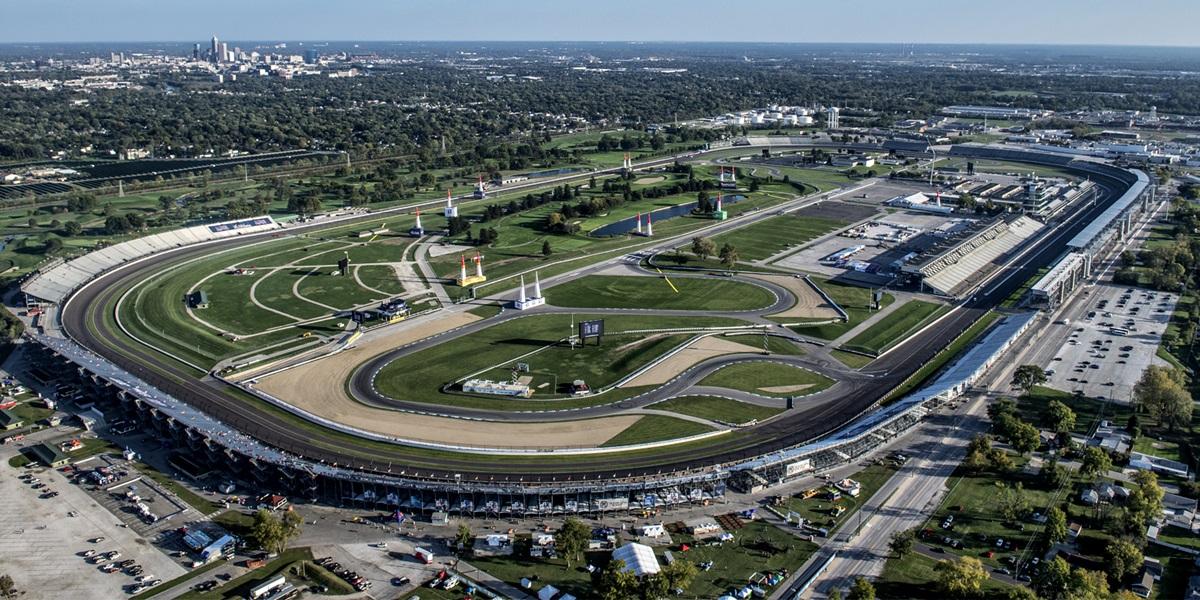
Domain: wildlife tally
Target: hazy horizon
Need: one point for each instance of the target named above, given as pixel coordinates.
(922, 22)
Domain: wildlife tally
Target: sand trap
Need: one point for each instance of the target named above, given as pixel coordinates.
(436, 250)
(319, 388)
(785, 389)
(649, 180)
(809, 304)
(700, 350)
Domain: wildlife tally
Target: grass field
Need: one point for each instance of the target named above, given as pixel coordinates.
(779, 345)
(850, 359)
(757, 547)
(767, 378)
(240, 587)
(717, 409)
(656, 428)
(420, 376)
(978, 520)
(772, 236)
(1160, 448)
(914, 577)
(1088, 412)
(819, 509)
(681, 293)
(893, 328)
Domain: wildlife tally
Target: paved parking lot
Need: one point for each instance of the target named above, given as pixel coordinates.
(42, 544)
(116, 497)
(1090, 354)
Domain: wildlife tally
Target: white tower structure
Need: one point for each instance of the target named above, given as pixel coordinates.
(832, 117)
(462, 268)
(479, 265)
(416, 230)
(639, 224)
(480, 190)
(719, 201)
(627, 164)
(649, 226)
(526, 301)
(451, 209)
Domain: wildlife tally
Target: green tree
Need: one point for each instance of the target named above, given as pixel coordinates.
(861, 589)
(835, 594)
(546, 249)
(679, 575)
(1020, 592)
(72, 228)
(960, 578)
(572, 539)
(615, 583)
(1160, 391)
(1087, 585)
(703, 247)
(1013, 502)
(1027, 376)
(1054, 580)
(463, 538)
(1094, 462)
(1056, 525)
(1121, 559)
(1058, 417)
(267, 532)
(729, 255)
(1146, 499)
(1024, 437)
(291, 523)
(902, 542)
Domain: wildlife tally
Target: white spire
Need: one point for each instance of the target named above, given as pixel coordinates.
(649, 225)
(478, 265)
(449, 200)
(639, 223)
(537, 286)
(718, 201)
(462, 268)
(521, 298)
(418, 224)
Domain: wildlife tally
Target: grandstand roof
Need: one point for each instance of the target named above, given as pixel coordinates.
(1085, 237)
(55, 283)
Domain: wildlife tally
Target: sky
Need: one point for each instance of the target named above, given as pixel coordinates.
(1110, 22)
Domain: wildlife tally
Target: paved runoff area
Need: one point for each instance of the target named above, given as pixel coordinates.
(42, 545)
(1103, 342)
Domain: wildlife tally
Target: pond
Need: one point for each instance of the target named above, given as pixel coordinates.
(628, 225)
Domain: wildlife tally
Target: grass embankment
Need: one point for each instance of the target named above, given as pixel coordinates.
(240, 587)
(656, 428)
(717, 409)
(662, 293)
(914, 577)
(493, 351)
(856, 301)
(850, 359)
(895, 327)
(944, 357)
(767, 378)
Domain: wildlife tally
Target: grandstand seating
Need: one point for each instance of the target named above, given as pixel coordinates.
(55, 283)
(947, 272)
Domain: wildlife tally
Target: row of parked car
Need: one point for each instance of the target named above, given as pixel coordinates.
(359, 582)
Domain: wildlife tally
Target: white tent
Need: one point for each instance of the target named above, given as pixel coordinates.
(639, 559)
(547, 592)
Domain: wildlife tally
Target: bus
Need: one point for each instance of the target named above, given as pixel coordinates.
(1118, 331)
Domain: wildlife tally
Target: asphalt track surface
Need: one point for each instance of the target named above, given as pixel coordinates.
(84, 319)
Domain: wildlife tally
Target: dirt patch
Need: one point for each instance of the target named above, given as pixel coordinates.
(640, 341)
(649, 180)
(785, 389)
(319, 388)
(436, 250)
(809, 304)
(700, 350)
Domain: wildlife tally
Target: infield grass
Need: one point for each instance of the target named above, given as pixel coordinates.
(767, 378)
(656, 428)
(769, 237)
(660, 292)
(894, 327)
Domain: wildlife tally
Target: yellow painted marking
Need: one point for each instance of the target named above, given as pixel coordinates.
(667, 279)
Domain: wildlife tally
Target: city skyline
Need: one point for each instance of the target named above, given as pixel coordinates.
(1103, 22)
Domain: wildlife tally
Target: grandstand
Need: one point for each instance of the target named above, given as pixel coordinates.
(945, 268)
(54, 282)
(1056, 286)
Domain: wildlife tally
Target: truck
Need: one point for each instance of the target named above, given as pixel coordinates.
(423, 555)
